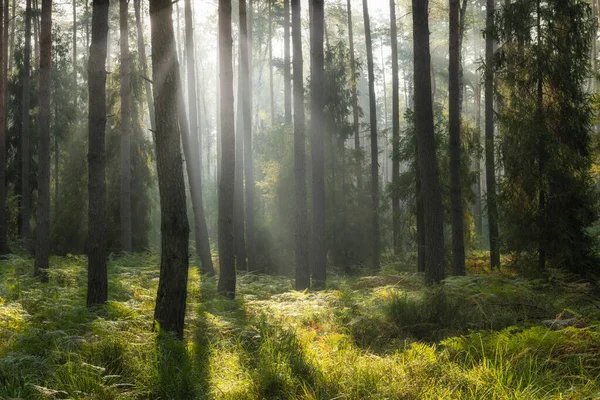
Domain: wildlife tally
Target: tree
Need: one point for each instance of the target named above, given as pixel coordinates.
(172, 286)
(454, 96)
(227, 277)
(302, 260)
(42, 244)
(3, 126)
(287, 74)
(25, 148)
(194, 154)
(142, 62)
(375, 244)
(96, 246)
(355, 109)
(396, 228)
(124, 74)
(426, 158)
(490, 163)
(317, 144)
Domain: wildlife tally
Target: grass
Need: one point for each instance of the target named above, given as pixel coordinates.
(485, 336)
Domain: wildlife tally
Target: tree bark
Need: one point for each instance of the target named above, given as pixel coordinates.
(172, 287)
(74, 45)
(97, 272)
(13, 23)
(355, 109)
(454, 96)
(396, 227)
(194, 154)
(227, 278)
(477, 166)
(318, 249)
(42, 248)
(25, 151)
(239, 235)
(430, 183)
(3, 126)
(490, 173)
(375, 240)
(271, 86)
(302, 260)
(125, 91)
(287, 74)
(143, 63)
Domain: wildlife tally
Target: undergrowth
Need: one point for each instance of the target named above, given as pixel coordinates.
(486, 336)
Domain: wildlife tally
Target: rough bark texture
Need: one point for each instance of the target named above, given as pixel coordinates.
(142, 61)
(125, 91)
(172, 287)
(25, 152)
(318, 244)
(201, 230)
(97, 274)
(396, 227)
(226, 284)
(287, 73)
(430, 183)
(3, 71)
(302, 261)
(42, 244)
(355, 109)
(375, 240)
(458, 243)
(490, 173)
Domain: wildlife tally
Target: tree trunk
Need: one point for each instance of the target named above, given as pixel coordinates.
(25, 152)
(194, 155)
(97, 273)
(172, 287)
(287, 74)
(143, 64)
(476, 166)
(396, 227)
(375, 240)
(302, 261)
(490, 173)
(42, 246)
(227, 277)
(74, 45)
(355, 109)
(36, 32)
(239, 236)
(3, 125)
(318, 249)
(430, 183)
(13, 23)
(271, 86)
(125, 91)
(458, 243)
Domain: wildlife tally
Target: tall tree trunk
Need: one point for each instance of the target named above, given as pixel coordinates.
(25, 152)
(13, 24)
(458, 244)
(227, 277)
(97, 273)
(430, 182)
(476, 166)
(375, 240)
(42, 245)
(124, 74)
(239, 236)
(36, 32)
(3, 125)
(541, 148)
(143, 63)
(396, 223)
(271, 86)
(302, 260)
(287, 74)
(355, 110)
(248, 157)
(194, 154)
(490, 172)
(74, 45)
(172, 287)
(318, 244)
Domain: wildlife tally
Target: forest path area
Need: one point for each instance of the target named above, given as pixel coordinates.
(486, 336)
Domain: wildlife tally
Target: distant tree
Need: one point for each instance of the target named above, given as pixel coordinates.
(96, 246)
(355, 108)
(42, 244)
(426, 157)
(125, 81)
(172, 287)
(227, 277)
(25, 137)
(287, 73)
(454, 97)
(396, 225)
(302, 240)
(374, 233)
(142, 62)
(317, 143)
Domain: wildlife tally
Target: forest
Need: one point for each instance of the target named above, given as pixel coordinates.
(299, 199)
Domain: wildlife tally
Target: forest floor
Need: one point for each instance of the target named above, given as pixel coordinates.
(485, 336)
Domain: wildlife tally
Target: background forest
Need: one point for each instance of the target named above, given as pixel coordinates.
(299, 199)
